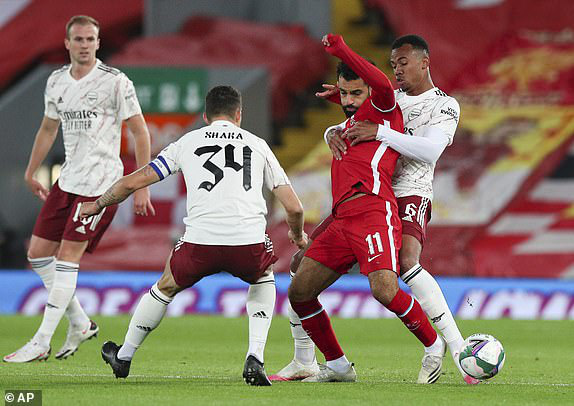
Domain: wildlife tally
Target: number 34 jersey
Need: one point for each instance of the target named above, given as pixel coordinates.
(225, 169)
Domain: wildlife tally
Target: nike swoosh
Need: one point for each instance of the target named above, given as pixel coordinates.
(371, 258)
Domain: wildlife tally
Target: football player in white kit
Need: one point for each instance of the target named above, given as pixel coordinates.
(90, 100)
(225, 169)
(430, 118)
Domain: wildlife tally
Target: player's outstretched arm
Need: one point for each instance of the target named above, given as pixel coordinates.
(120, 190)
(45, 138)
(295, 217)
(383, 93)
(426, 148)
(138, 128)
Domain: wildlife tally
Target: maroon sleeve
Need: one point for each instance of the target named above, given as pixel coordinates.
(382, 92)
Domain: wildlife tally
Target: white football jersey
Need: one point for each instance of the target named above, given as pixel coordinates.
(431, 108)
(225, 169)
(91, 111)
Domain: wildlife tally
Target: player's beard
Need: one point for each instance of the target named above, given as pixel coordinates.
(349, 111)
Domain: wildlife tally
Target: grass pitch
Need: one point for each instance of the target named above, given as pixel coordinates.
(199, 360)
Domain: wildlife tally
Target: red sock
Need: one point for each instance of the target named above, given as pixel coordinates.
(317, 324)
(411, 313)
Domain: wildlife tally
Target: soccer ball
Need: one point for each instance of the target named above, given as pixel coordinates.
(481, 356)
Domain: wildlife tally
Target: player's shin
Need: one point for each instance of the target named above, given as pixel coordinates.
(62, 291)
(45, 268)
(317, 324)
(427, 291)
(304, 347)
(147, 316)
(411, 314)
(260, 305)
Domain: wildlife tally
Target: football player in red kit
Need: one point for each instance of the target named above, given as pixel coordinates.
(366, 227)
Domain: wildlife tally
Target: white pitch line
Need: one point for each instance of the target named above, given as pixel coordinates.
(229, 379)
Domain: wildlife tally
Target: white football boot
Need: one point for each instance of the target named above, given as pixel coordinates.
(75, 337)
(296, 371)
(326, 374)
(32, 351)
(432, 365)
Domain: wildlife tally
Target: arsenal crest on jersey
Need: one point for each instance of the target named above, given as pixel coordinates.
(92, 97)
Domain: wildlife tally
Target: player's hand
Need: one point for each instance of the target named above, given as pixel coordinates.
(89, 209)
(142, 203)
(336, 143)
(331, 43)
(37, 188)
(362, 131)
(330, 91)
(300, 242)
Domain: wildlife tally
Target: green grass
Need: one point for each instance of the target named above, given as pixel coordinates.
(198, 360)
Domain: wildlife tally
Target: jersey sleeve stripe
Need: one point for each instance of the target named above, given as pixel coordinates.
(157, 170)
(384, 111)
(162, 159)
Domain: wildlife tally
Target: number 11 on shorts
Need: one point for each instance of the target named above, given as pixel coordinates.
(377, 239)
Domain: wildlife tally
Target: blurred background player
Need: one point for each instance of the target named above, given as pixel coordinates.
(225, 169)
(91, 100)
(365, 226)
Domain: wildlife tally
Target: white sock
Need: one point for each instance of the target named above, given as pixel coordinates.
(340, 365)
(304, 346)
(64, 286)
(147, 316)
(45, 267)
(260, 306)
(436, 348)
(428, 293)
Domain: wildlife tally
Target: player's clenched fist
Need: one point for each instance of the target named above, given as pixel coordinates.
(300, 242)
(331, 42)
(89, 209)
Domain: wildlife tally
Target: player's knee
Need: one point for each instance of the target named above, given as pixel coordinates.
(297, 293)
(167, 285)
(170, 290)
(408, 261)
(384, 286)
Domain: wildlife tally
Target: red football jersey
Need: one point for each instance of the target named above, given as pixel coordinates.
(367, 166)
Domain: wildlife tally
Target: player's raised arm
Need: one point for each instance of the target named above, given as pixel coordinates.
(383, 94)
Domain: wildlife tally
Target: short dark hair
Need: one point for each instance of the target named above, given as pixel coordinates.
(347, 73)
(222, 100)
(413, 40)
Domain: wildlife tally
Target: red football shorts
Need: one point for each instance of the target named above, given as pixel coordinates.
(366, 230)
(415, 213)
(59, 219)
(191, 262)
